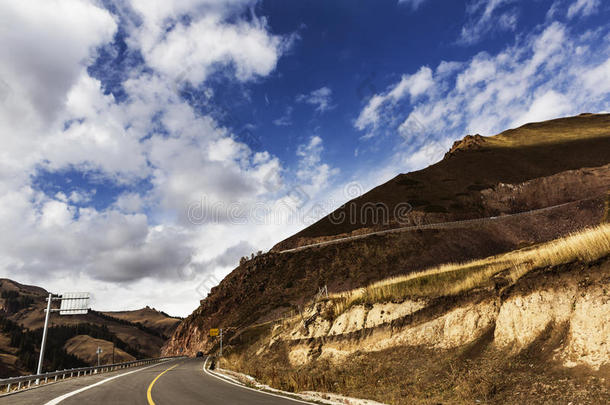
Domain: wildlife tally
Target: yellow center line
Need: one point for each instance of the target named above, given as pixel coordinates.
(148, 393)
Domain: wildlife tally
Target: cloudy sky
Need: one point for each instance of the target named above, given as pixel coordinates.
(148, 144)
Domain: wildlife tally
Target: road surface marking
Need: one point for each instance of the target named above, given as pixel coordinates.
(205, 370)
(148, 393)
(78, 391)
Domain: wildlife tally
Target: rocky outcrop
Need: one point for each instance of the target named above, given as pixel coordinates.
(469, 142)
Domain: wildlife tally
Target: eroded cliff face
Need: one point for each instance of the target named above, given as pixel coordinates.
(573, 299)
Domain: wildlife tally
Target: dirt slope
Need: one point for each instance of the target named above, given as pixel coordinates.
(541, 340)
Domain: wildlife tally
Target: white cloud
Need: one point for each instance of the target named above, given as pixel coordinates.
(320, 98)
(47, 45)
(313, 175)
(414, 86)
(414, 4)
(583, 8)
(43, 50)
(485, 16)
(130, 203)
(54, 116)
(553, 10)
(203, 45)
(549, 73)
(548, 105)
(286, 119)
(597, 80)
(190, 39)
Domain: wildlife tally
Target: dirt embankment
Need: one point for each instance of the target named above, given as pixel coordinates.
(578, 299)
(543, 339)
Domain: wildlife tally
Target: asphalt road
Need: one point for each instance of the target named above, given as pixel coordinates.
(173, 382)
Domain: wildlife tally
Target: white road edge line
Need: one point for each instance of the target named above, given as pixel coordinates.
(205, 370)
(78, 391)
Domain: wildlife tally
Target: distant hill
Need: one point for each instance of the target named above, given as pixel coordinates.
(22, 318)
(149, 318)
(85, 347)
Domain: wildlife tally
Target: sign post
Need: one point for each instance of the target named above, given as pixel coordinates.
(70, 304)
(217, 332)
(44, 335)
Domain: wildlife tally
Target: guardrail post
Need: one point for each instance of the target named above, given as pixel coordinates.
(8, 387)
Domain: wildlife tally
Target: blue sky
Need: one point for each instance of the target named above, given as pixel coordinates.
(148, 144)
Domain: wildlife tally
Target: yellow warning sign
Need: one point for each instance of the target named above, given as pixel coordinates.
(213, 332)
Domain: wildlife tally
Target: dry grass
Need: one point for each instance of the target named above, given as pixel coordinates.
(607, 209)
(550, 132)
(454, 278)
(474, 373)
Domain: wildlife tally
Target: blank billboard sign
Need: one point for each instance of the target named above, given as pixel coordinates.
(74, 303)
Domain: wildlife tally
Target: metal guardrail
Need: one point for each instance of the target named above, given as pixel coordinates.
(14, 384)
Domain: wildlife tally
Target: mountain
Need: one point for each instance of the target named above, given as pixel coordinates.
(467, 183)
(71, 339)
(435, 288)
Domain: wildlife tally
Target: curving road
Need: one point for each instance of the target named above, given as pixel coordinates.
(180, 381)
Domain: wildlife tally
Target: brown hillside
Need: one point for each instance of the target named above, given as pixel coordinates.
(150, 318)
(85, 348)
(451, 189)
(565, 161)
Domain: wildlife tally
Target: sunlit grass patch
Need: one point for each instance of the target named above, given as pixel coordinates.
(454, 278)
